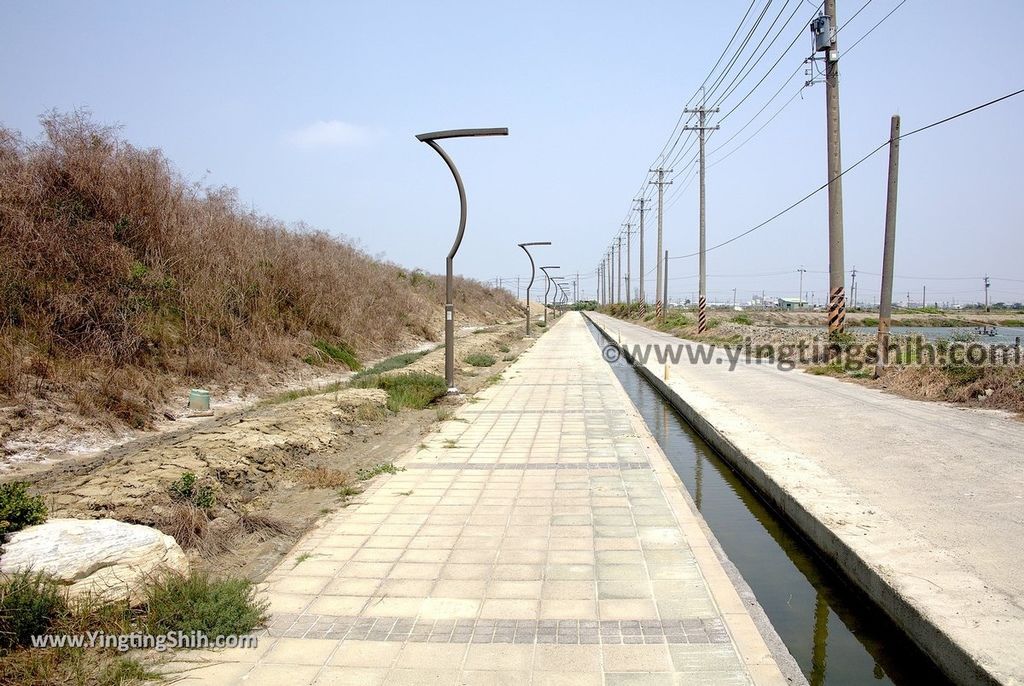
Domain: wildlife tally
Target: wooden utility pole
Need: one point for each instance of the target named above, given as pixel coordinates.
(658, 285)
(702, 317)
(889, 249)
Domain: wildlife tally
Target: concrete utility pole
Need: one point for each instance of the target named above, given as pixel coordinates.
(853, 287)
(643, 274)
(618, 274)
(611, 276)
(837, 297)
(658, 286)
(924, 296)
(702, 317)
(664, 294)
(629, 261)
(800, 294)
(889, 247)
(987, 284)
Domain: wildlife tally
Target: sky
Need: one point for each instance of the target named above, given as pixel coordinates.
(311, 109)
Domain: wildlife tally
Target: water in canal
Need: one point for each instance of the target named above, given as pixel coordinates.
(835, 633)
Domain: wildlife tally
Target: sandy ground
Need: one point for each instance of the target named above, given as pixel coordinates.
(258, 458)
(51, 435)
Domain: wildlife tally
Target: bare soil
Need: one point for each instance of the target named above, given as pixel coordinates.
(275, 467)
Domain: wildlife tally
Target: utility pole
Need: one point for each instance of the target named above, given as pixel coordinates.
(824, 30)
(734, 298)
(611, 273)
(660, 183)
(924, 296)
(643, 207)
(664, 296)
(629, 261)
(987, 284)
(853, 287)
(618, 274)
(800, 295)
(611, 278)
(702, 317)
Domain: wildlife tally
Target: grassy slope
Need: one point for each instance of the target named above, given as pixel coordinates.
(120, 280)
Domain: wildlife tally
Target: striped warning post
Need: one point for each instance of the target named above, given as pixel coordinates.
(702, 315)
(642, 309)
(837, 310)
(658, 312)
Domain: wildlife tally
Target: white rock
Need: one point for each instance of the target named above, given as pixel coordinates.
(105, 557)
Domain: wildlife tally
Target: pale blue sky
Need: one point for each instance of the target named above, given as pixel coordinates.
(310, 110)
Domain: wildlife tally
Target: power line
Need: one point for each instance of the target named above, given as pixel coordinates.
(857, 42)
(855, 165)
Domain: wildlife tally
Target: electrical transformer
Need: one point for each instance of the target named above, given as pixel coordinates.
(821, 29)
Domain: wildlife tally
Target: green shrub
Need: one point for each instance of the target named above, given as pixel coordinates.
(18, 508)
(339, 353)
(743, 319)
(392, 363)
(1015, 323)
(480, 360)
(414, 389)
(503, 348)
(869, 321)
(675, 320)
(29, 604)
(198, 603)
(188, 490)
(540, 325)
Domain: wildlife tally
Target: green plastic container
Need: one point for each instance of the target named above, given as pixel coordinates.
(199, 400)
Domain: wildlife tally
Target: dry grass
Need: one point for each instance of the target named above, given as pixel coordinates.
(190, 527)
(322, 477)
(120, 279)
(265, 526)
(995, 387)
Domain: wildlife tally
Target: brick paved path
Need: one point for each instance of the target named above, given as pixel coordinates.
(539, 537)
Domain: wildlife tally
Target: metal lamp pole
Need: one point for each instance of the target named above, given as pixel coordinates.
(449, 306)
(532, 269)
(547, 287)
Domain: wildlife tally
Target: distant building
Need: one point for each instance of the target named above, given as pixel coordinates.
(791, 303)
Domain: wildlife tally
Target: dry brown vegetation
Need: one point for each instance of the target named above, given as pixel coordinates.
(120, 280)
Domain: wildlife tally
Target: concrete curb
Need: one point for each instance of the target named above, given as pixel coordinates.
(959, 664)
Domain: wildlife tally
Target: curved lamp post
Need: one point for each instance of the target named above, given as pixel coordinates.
(449, 307)
(532, 270)
(547, 288)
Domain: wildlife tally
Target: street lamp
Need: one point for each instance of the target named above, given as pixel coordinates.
(547, 287)
(524, 246)
(449, 307)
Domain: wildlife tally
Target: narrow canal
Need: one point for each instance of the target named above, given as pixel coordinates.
(835, 633)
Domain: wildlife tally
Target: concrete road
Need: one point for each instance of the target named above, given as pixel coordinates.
(921, 503)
